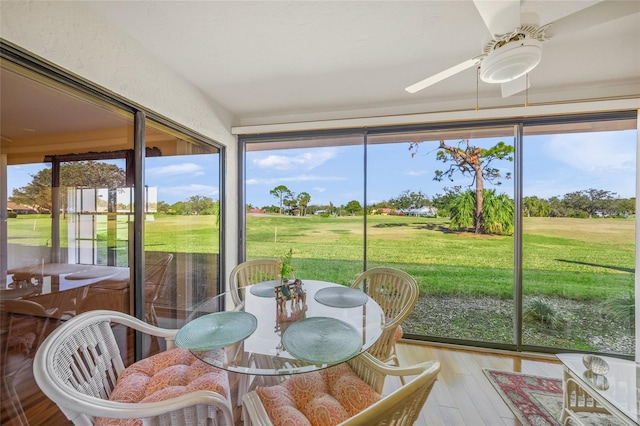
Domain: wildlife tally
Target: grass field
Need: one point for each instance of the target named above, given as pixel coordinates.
(576, 264)
(576, 258)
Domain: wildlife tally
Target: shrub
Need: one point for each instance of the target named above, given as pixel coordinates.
(539, 310)
(622, 308)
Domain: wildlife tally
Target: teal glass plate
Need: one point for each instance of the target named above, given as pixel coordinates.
(322, 340)
(341, 297)
(214, 331)
(265, 289)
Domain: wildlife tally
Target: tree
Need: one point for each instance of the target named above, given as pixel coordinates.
(353, 207)
(444, 202)
(180, 208)
(303, 199)
(475, 162)
(280, 192)
(201, 205)
(290, 202)
(88, 174)
(498, 212)
(163, 207)
(536, 207)
(409, 199)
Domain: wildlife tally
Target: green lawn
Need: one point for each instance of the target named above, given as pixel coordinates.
(575, 258)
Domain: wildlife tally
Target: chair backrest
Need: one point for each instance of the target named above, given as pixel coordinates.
(397, 294)
(401, 407)
(252, 272)
(26, 318)
(80, 358)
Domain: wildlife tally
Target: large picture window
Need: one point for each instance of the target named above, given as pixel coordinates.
(521, 235)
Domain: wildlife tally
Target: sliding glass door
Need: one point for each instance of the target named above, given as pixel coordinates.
(74, 239)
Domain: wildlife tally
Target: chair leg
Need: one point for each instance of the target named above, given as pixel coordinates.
(14, 406)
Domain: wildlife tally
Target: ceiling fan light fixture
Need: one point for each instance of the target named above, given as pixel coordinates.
(511, 60)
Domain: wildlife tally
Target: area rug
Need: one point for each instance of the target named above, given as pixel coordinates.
(535, 400)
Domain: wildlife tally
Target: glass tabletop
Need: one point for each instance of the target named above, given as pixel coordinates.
(619, 386)
(291, 336)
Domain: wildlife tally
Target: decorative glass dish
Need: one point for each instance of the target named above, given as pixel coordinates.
(595, 364)
(598, 381)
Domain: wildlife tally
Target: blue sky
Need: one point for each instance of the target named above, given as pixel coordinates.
(553, 166)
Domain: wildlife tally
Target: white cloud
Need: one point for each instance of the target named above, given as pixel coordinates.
(176, 169)
(183, 192)
(416, 172)
(303, 161)
(289, 179)
(596, 152)
(319, 188)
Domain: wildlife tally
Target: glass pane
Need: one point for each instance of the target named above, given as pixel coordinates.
(182, 227)
(61, 153)
(307, 196)
(423, 204)
(579, 236)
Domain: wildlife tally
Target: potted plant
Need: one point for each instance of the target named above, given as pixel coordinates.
(287, 269)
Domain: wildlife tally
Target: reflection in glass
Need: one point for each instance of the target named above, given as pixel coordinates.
(56, 247)
(182, 226)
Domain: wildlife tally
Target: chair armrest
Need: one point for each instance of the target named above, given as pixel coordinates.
(374, 363)
(254, 411)
(374, 371)
(125, 319)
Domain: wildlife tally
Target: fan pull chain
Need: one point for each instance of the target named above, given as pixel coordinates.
(477, 85)
(526, 92)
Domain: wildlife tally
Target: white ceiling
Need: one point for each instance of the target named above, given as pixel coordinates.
(274, 61)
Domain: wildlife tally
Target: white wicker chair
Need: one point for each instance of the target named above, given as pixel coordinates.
(252, 272)
(400, 408)
(397, 294)
(78, 364)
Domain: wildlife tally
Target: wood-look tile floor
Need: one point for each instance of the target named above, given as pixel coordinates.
(461, 396)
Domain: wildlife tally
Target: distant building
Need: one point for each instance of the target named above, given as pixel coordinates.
(426, 211)
(385, 211)
(20, 208)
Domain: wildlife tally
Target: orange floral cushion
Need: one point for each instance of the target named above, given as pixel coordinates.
(398, 334)
(322, 398)
(163, 376)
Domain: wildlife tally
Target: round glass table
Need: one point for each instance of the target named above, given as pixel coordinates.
(281, 331)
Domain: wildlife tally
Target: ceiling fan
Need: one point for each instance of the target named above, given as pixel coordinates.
(515, 49)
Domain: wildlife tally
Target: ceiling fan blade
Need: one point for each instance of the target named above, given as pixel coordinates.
(442, 75)
(500, 16)
(599, 13)
(515, 86)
